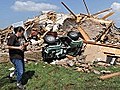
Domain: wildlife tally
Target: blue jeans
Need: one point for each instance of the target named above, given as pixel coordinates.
(19, 68)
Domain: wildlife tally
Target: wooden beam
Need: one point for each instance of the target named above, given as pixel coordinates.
(102, 11)
(106, 32)
(101, 37)
(109, 75)
(69, 9)
(83, 33)
(99, 44)
(107, 15)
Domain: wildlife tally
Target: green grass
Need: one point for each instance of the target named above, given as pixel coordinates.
(52, 77)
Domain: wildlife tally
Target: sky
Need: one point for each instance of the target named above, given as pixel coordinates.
(12, 11)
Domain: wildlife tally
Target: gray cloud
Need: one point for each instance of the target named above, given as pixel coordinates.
(33, 6)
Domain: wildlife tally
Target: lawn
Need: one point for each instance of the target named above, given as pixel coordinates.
(52, 77)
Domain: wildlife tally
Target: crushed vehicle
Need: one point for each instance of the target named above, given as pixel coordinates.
(58, 47)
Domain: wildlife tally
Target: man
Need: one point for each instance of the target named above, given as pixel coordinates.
(16, 53)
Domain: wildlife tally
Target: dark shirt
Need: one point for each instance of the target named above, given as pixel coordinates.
(13, 40)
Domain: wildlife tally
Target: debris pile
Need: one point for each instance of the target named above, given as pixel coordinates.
(100, 38)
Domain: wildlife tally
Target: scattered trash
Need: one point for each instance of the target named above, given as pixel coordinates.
(11, 69)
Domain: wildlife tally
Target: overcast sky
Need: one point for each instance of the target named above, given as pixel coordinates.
(12, 11)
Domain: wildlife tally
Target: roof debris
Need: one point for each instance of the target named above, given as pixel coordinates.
(99, 37)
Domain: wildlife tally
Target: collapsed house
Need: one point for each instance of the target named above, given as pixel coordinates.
(101, 38)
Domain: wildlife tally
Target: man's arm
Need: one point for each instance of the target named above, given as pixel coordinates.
(15, 47)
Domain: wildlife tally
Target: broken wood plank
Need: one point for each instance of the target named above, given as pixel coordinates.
(111, 54)
(100, 44)
(109, 76)
(101, 37)
(83, 33)
(69, 57)
(107, 15)
(102, 11)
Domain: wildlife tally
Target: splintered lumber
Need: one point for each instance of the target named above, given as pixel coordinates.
(109, 14)
(109, 75)
(104, 45)
(69, 57)
(6, 31)
(83, 33)
(101, 37)
(106, 32)
(111, 54)
(30, 26)
(44, 34)
(102, 11)
(100, 20)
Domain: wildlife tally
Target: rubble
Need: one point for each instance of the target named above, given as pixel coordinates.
(101, 38)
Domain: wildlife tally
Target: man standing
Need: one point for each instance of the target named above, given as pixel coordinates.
(16, 53)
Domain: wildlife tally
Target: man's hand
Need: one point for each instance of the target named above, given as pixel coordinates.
(21, 47)
(26, 44)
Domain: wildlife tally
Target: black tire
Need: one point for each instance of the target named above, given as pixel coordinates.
(73, 35)
(49, 39)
